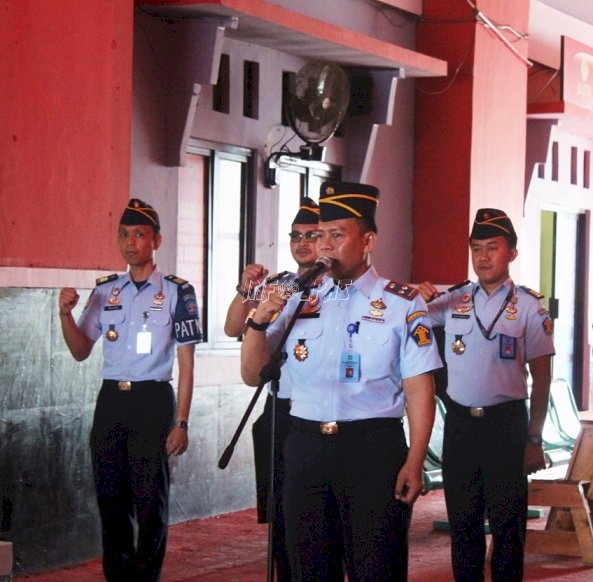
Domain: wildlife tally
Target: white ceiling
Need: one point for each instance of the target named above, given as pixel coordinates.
(581, 9)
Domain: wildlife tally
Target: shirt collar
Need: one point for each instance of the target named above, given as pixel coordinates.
(366, 282)
(506, 286)
(155, 278)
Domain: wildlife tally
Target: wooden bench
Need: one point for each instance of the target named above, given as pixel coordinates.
(569, 529)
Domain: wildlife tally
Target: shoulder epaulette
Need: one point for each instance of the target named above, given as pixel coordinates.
(106, 279)
(536, 294)
(276, 276)
(175, 279)
(401, 290)
(459, 285)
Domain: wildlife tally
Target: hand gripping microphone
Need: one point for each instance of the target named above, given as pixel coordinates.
(321, 265)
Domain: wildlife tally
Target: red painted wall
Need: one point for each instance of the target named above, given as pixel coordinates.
(65, 110)
(470, 133)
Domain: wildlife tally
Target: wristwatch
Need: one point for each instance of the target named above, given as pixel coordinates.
(534, 439)
(182, 424)
(252, 324)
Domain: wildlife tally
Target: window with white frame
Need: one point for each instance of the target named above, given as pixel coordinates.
(214, 244)
(295, 182)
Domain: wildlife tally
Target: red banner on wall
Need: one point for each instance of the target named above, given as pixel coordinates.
(577, 73)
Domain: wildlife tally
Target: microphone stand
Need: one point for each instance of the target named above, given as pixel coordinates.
(270, 372)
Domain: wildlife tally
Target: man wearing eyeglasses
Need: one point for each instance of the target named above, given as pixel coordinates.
(303, 238)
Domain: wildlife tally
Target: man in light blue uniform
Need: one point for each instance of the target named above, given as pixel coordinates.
(359, 352)
(303, 238)
(141, 316)
(494, 330)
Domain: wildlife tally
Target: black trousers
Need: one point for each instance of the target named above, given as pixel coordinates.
(483, 477)
(261, 431)
(131, 473)
(353, 471)
(261, 447)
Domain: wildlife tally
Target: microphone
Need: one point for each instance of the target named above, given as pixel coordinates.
(321, 265)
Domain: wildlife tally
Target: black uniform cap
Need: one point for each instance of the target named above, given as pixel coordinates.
(308, 212)
(339, 200)
(491, 222)
(138, 213)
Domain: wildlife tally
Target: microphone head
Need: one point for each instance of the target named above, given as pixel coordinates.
(325, 261)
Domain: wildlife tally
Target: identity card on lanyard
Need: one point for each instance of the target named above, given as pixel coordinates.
(349, 359)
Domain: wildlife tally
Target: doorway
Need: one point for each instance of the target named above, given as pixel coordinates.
(563, 282)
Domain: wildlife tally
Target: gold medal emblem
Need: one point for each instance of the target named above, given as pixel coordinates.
(111, 335)
(465, 298)
(301, 351)
(114, 300)
(375, 313)
(158, 298)
(458, 347)
(378, 304)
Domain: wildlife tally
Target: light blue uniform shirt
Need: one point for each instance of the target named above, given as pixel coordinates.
(491, 371)
(171, 318)
(394, 341)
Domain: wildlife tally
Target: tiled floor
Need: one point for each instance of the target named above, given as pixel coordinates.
(233, 548)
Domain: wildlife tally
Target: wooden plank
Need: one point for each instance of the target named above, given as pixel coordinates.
(584, 533)
(555, 493)
(563, 543)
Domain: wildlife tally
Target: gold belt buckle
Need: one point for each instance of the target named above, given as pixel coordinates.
(124, 386)
(476, 411)
(328, 427)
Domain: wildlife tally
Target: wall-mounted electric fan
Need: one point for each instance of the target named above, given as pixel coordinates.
(317, 104)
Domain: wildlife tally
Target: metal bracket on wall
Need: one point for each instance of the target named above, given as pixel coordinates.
(195, 62)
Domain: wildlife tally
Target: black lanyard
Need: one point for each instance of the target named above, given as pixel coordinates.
(486, 332)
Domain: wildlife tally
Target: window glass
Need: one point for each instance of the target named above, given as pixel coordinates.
(213, 231)
(294, 183)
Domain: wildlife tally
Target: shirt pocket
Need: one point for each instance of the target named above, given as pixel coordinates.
(510, 328)
(160, 318)
(307, 334)
(111, 317)
(377, 357)
(460, 325)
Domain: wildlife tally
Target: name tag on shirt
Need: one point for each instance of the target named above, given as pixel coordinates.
(350, 367)
(508, 347)
(143, 342)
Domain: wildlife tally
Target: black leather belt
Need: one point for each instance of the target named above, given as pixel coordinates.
(344, 426)
(484, 411)
(127, 385)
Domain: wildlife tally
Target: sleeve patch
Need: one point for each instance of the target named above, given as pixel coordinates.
(186, 321)
(422, 335)
(106, 279)
(547, 325)
(415, 315)
(401, 290)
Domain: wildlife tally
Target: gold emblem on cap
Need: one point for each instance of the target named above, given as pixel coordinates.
(329, 190)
